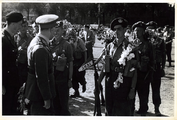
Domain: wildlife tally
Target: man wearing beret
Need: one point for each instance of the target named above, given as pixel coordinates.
(118, 99)
(40, 85)
(159, 52)
(145, 67)
(10, 81)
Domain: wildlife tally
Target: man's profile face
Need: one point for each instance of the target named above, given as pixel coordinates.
(59, 32)
(24, 27)
(53, 32)
(139, 32)
(17, 26)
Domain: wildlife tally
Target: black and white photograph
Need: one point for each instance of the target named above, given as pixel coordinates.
(88, 59)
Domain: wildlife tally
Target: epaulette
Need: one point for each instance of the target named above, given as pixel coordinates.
(37, 47)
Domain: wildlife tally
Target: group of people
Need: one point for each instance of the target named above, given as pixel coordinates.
(42, 64)
(137, 60)
(46, 65)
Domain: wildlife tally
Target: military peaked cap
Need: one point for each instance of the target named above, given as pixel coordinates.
(151, 24)
(118, 21)
(14, 17)
(47, 21)
(139, 24)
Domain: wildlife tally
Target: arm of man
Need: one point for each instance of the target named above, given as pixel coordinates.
(70, 74)
(83, 48)
(4, 65)
(70, 61)
(41, 71)
(163, 54)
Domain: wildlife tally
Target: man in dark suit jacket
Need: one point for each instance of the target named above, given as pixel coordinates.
(10, 81)
(40, 86)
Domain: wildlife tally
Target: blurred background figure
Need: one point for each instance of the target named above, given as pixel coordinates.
(159, 64)
(82, 34)
(89, 41)
(80, 56)
(168, 37)
(35, 29)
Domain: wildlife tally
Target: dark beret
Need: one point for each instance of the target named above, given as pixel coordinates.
(151, 24)
(47, 21)
(14, 16)
(118, 21)
(139, 24)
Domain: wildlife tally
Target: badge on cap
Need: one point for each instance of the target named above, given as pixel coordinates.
(120, 20)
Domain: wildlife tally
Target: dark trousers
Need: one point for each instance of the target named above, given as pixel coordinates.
(62, 93)
(168, 52)
(89, 50)
(78, 77)
(117, 102)
(37, 108)
(61, 99)
(143, 90)
(9, 101)
(155, 84)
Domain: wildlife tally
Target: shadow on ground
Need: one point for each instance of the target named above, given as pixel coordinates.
(150, 114)
(82, 106)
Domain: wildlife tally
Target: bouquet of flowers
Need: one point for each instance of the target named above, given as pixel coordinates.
(153, 36)
(22, 101)
(126, 56)
(107, 35)
(67, 24)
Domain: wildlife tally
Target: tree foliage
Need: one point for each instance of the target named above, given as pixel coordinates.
(81, 13)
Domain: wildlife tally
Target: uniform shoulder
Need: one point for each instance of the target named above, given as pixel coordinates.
(38, 48)
(35, 44)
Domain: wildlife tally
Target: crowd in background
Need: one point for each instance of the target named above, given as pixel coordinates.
(72, 46)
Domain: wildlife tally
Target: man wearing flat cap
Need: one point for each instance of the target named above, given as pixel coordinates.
(10, 81)
(40, 85)
(145, 66)
(118, 98)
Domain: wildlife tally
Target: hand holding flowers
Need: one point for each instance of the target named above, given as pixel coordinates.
(126, 56)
